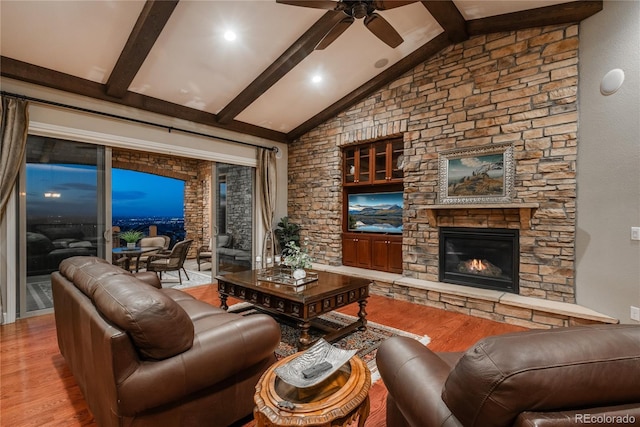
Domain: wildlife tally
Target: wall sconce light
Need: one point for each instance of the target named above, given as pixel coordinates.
(611, 82)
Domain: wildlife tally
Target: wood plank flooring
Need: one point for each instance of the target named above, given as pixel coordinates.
(37, 388)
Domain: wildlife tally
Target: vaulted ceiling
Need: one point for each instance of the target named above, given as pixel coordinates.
(171, 57)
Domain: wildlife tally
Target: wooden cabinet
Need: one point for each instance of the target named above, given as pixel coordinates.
(379, 162)
(388, 161)
(386, 253)
(356, 250)
(374, 167)
(375, 251)
(357, 165)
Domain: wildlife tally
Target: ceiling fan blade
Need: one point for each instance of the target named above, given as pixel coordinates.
(391, 4)
(381, 28)
(335, 32)
(315, 4)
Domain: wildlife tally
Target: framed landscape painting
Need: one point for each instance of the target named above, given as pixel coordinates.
(477, 175)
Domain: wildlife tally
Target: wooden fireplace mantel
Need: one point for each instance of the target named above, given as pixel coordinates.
(527, 210)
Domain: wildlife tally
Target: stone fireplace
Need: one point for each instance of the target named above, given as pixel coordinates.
(517, 88)
(480, 257)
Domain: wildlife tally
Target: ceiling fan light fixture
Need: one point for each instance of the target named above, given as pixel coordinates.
(359, 10)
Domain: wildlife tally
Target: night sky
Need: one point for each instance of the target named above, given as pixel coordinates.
(134, 194)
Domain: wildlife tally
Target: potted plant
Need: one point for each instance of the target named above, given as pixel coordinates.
(287, 232)
(131, 237)
(297, 259)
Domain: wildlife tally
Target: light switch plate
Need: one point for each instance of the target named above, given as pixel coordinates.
(635, 313)
(635, 233)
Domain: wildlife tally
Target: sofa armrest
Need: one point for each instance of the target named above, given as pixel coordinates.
(414, 377)
(601, 416)
(220, 352)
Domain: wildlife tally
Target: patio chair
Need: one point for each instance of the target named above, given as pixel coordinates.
(204, 253)
(173, 261)
(161, 242)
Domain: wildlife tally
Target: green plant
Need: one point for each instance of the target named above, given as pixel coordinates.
(131, 236)
(296, 257)
(287, 232)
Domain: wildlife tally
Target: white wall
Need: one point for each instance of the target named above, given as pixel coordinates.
(607, 260)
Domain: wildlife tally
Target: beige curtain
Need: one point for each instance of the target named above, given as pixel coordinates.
(267, 182)
(13, 133)
(14, 119)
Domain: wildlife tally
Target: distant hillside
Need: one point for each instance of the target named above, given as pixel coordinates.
(378, 215)
(477, 185)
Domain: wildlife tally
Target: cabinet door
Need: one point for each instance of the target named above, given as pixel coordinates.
(363, 252)
(349, 251)
(396, 160)
(395, 256)
(363, 165)
(350, 166)
(380, 253)
(380, 155)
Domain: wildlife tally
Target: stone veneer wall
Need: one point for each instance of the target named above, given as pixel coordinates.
(240, 205)
(195, 174)
(517, 88)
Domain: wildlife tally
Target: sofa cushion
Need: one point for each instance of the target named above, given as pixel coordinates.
(224, 240)
(39, 244)
(61, 232)
(71, 265)
(549, 370)
(158, 326)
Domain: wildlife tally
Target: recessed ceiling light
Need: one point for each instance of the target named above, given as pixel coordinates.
(317, 78)
(229, 35)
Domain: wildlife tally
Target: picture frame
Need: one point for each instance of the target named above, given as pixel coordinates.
(476, 175)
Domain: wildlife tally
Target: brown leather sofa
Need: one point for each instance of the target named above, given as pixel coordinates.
(147, 356)
(587, 375)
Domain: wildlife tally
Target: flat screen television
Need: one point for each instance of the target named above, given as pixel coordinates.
(375, 212)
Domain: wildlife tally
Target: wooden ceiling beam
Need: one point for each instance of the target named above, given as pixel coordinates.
(152, 19)
(30, 73)
(564, 13)
(449, 18)
(278, 69)
(392, 73)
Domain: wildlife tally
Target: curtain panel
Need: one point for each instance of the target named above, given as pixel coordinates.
(267, 183)
(14, 123)
(13, 133)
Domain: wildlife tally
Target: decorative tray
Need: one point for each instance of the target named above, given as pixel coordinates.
(320, 352)
(283, 276)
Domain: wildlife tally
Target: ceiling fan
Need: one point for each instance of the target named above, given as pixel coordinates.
(356, 9)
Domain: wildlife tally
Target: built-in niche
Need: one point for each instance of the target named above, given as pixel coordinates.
(373, 202)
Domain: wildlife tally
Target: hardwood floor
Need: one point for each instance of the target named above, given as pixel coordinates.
(37, 388)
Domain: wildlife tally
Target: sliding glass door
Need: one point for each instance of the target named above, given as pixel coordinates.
(64, 213)
(233, 217)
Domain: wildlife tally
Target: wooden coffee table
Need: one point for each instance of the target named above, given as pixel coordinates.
(329, 292)
(338, 401)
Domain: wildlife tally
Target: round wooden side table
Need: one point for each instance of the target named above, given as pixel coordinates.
(338, 401)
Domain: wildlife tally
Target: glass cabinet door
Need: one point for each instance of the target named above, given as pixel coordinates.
(364, 166)
(380, 153)
(397, 159)
(350, 165)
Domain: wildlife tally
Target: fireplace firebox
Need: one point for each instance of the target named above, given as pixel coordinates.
(480, 257)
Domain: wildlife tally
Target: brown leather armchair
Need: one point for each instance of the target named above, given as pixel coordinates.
(147, 356)
(560, 377)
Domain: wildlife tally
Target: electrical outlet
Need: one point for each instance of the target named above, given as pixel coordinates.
(635, 233)
(635, 313)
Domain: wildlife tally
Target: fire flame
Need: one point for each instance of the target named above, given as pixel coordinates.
(477, 265)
